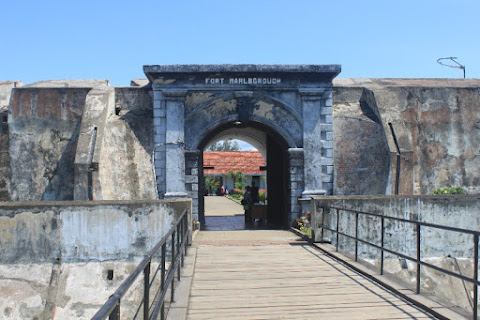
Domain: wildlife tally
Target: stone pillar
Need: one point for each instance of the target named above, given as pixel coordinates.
(192, 179)
(169, 149)
(160, 129)
(326, 126)
(317, 141)
(295, 163)
(175, 143)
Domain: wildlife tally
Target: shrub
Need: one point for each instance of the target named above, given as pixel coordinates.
(450, 190)
(239, 185)
(238, 191)
(261, 195)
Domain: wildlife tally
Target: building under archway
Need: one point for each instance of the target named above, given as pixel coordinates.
(286, 109)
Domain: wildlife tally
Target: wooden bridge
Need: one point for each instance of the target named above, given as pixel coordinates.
(270, 274)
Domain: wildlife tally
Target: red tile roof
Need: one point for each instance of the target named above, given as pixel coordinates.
(249, 162)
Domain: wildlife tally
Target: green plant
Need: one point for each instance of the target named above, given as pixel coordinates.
(450, 190)
(211, 184)
(239, 185)
(302, 225)
(237, 178)
(261, 195)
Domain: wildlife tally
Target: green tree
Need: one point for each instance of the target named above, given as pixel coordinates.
(237, 178)
(211, 184)
(224, 145)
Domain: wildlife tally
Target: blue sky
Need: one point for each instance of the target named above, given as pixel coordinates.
(112, 40)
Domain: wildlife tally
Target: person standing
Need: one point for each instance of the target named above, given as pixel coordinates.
(247, 203)
(254, 192)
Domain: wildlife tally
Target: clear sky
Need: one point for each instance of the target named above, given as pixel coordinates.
(42, 40)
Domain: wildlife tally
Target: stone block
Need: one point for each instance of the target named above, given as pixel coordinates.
(327, 144)
(327, 153)
(159, 139)
(326, 127)
(327, 178)
(328, 135)
(191, 179)
(326, 111)
(161, 128)
(296, 162)
(327, 161)
(159, 113)
(328, 186)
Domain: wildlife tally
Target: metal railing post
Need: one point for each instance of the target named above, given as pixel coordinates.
(338, 219)
(182, 234)
(475, 277)
(179, 252)
(115, 315)
(172, 289)
(418, 258)
(323, 224)
(382, 236)
(185, 234)
(162, 286)
(356, 236)
(146, 291)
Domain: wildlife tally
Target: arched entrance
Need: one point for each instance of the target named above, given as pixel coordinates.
(291, 106)
(274, 150)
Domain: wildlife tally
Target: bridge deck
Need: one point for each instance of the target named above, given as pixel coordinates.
(271, 275)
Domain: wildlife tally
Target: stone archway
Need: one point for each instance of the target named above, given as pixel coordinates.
(293, 104)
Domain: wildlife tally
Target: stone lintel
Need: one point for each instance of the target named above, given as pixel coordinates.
(171, 195)
(333, 69)
(193, 151)
(172, 94)
(243, 94)
(312, 193)
(295, 151)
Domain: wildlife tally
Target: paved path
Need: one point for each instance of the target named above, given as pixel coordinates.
(222, 206)
(268, 274)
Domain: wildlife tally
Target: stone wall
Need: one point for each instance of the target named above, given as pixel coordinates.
(402, 136)
(65, 232)
(63, 260)
(126, 162)
(432, 127)
(5, 93)
(458, 211)
(44, 126)
(362, 155)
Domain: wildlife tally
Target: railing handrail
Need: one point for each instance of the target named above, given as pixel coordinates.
(424, 224)
(115, 298)
(418, 260)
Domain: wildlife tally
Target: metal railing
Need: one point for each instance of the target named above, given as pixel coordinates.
(177, 237)
(417, 259)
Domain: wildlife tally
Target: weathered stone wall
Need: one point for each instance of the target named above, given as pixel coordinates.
(43, 127)
(362, 155)
(455, 210)
(5, 93)
(126, 163)
(436, 125)
(64, 232)
(56, 258)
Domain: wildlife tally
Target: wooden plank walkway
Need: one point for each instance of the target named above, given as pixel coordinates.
(243, 276)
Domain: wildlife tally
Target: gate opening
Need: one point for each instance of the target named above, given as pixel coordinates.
(272, 177)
